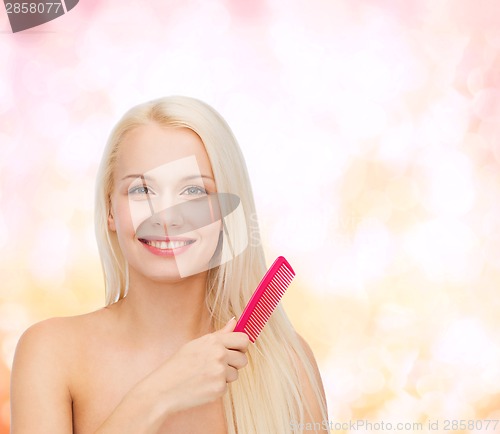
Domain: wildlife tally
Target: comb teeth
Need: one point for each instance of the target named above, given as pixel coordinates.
(265, 298)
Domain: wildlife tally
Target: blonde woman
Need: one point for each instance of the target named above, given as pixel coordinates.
(162, 356)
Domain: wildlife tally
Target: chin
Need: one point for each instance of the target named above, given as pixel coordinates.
(173, 277)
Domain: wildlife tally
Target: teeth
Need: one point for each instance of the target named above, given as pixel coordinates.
(164, 245)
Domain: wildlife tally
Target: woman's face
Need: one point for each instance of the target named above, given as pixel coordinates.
(163, 206)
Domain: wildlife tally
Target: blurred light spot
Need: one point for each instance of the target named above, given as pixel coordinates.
(372, 73)
(292, 233)
(355, 180)
(215, 16)
(13, 317)
(6, 97)
(5, 413)
(164, 72)
(456, 408)
(393, 318)
(373, 204)
(4, 232)
(58, 204)
(359, 118)
(403, 193)
(8, 150)
(374, 249)
(465, 343)
(49, 253)
(372, 357)
(491, 249)
(50, 119)
(489, 378)
(402, 408)
(429, 383)
(344, 385)
(6, 48)
(225, 71)
(81, 193)
(94, 70)
(487, 103)
(402, 362)
(445, 249)
(75, 155)
(445, 122)
(307, 69)
(397, 145)
(34, 76)
(371, 380)
(475, 80)
(9, 347)
(341, 274)
(469, 387)
(432, 404)
(90, 241)
(492, 37)
(451, 189)
(205, 21)
(490, 131)
(62, 86)
(475, 146)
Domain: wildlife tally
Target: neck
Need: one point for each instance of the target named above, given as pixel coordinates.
(173, 312)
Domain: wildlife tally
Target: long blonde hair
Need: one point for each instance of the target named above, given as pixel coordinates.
(267, 396)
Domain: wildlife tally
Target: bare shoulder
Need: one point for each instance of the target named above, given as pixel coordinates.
(49, 332)
(55, 336)
(306, 348)
(44, 341)
(310, 355)
(40, 382)
(319, 411)
(52, 344)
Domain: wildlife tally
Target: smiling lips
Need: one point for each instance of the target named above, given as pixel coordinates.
(167, 246)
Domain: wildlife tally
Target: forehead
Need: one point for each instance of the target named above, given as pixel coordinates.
(149, 146)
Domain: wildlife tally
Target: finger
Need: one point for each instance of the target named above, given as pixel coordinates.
(229, 327)
(231, 374)
(235, 341)
(237, 359)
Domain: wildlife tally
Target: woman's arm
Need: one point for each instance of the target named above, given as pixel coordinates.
(140, 411)
(40, 398)
(196, 374)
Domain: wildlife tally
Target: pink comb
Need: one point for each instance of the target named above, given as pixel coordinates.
(265, 298)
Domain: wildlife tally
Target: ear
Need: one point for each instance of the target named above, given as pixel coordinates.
(111, 221)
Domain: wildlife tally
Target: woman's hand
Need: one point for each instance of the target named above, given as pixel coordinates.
(199, 371)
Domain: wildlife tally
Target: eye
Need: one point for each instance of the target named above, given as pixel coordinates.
(140, 190)
(194, 190)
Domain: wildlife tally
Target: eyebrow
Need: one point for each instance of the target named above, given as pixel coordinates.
(187, 178)
(139, 175)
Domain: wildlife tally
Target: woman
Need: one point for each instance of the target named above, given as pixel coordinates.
(162, 356)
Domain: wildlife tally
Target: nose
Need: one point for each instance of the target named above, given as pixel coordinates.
(169, 218)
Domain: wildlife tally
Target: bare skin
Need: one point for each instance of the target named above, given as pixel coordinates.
(150, 363)
(86, 369)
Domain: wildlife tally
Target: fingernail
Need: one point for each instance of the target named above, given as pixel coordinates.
(232, 318)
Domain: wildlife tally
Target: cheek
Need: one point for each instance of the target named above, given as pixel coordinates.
(122, 218)
(138, 213)
(210, 233)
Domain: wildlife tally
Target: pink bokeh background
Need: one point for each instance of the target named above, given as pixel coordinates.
(371, 131)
